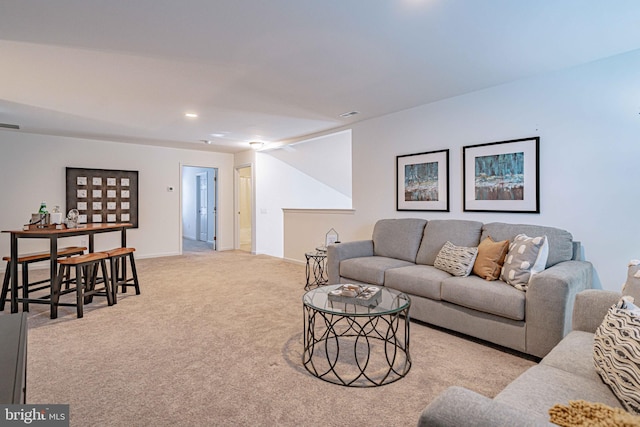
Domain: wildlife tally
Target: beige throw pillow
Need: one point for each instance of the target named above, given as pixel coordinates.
(527, 256)
(490, 258)
(456, 260)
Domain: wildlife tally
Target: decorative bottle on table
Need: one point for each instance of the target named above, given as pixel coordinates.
(43, 214)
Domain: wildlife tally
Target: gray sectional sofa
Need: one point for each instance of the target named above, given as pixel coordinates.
(401, 254)
(566, 373)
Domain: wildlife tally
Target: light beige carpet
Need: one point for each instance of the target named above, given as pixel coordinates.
(215, 339)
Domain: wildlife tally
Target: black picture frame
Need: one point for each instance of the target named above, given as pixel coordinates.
(111, 195)
(422, 181)
(502, 176)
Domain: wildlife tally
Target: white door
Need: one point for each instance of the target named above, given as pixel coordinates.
(244, 232)
(203, 214)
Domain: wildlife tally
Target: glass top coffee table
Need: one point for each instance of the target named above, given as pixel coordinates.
(356, 345)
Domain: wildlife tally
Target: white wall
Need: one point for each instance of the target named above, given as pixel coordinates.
(32, 169)
(588, 122)
(312, 174)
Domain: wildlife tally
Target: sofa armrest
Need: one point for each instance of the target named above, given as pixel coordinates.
(341, 251)
(549, 304)
(590, 308)
(458, 406)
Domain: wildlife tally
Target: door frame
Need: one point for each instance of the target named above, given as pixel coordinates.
(214, 220)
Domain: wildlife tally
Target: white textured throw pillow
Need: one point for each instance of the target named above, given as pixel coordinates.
(456, 260)
(527, 256)
(616, 352)
(632, 285)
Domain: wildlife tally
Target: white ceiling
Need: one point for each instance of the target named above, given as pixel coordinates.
(276, 70)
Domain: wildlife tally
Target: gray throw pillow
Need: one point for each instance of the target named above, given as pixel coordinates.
(456, 260)
(527, 256)
(616, 352)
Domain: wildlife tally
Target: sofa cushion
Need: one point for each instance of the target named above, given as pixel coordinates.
(541, 387)
(574, 354)
(616, 352)
(560, 241)
(398, 238)
(439, 231)
(369, 269)
(490, 297)
(490, 258)
(527, 256)
(418, 280)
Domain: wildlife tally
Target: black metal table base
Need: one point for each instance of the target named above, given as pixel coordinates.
(356, 351)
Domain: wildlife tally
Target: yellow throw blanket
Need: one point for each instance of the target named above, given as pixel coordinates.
(588, 414)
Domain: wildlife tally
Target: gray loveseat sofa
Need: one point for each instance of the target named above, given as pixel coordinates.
(566, 373)
(401, 255)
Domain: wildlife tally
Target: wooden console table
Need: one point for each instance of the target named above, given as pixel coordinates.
(53, 234)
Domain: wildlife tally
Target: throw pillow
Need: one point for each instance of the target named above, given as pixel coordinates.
(527, 256)
(592, 414)
(632, 285)
(616, 352)
(456, 260)
(490, 258)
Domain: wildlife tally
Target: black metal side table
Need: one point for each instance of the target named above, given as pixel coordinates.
(316, 271)
(353, 345)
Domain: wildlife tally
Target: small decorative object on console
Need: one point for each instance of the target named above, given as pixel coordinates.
(356, 294)
(331, 237)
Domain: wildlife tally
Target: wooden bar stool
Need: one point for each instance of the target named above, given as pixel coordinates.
(86, 273)
(24, 261)
(118, 266)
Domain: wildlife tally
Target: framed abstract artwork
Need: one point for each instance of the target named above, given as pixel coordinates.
(422, 181)
(502, 176)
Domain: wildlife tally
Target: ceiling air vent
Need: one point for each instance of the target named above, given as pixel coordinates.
(349, 114)
(9, 126)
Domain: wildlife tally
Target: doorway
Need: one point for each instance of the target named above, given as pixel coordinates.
(244, 222)
(199, 208)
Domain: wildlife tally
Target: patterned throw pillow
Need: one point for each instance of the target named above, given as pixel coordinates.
(616, 352)
(527, 256)
(456, 260)
(490, 258)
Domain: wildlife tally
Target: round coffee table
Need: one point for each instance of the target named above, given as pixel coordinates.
(356, 345)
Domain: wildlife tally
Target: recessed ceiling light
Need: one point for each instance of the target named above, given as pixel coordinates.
(256, 145)
(207, 141)
(191, 115)
(218, 135)
(349, 114)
